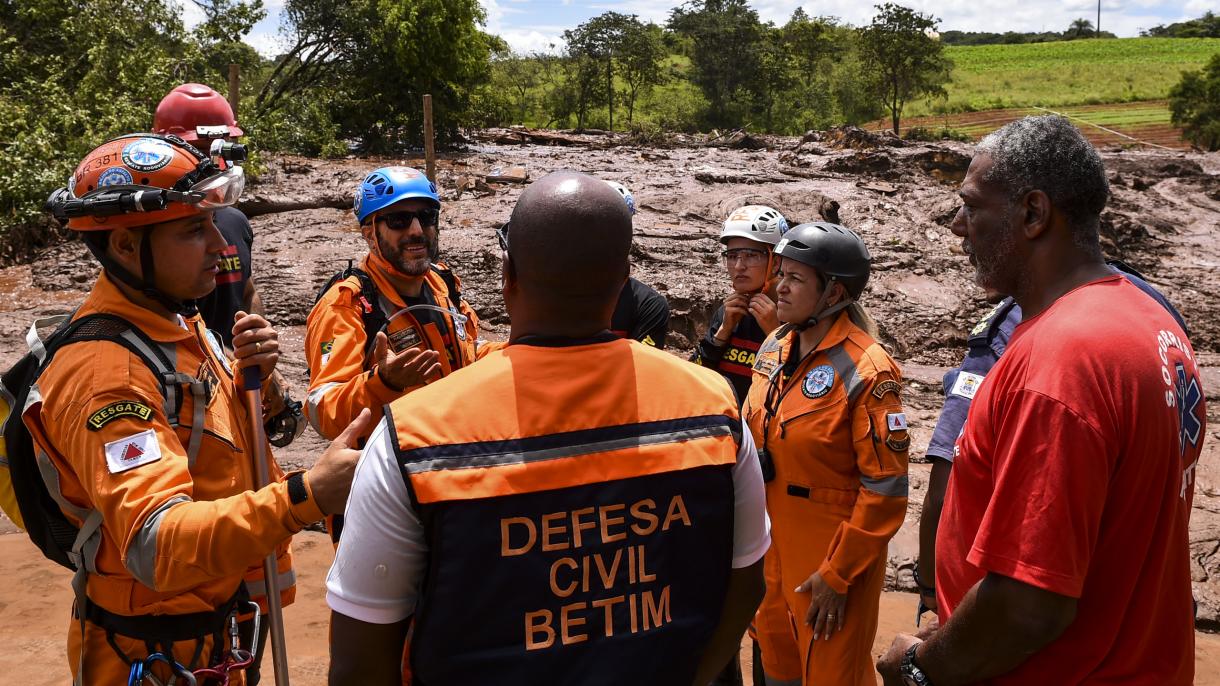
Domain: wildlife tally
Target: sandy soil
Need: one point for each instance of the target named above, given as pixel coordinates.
(1162, 219)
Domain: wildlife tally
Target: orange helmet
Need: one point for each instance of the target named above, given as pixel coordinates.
(142, 179)
(193, 111)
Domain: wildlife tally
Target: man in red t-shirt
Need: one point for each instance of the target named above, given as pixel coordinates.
(1063, 549)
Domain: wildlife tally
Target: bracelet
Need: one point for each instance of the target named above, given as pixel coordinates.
(919, 582)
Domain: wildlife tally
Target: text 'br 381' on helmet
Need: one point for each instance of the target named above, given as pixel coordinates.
(835, 251)
(385, 186)
(142, 179)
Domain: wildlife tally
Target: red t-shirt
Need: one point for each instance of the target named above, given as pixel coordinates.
(1074, 474)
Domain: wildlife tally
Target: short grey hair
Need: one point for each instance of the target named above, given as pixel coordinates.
(1048, 154)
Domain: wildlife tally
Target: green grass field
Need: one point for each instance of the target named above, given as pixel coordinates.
(1082, 72)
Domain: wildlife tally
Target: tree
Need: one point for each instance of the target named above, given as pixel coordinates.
(1079, 28)
(522, 74)
(776, 75)
(724, 36)
(601, 40)
(1194, 105)
(1206, 26)
(639, 61)
(909, 62)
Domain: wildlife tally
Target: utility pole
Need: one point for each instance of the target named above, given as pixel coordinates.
(1098, 27)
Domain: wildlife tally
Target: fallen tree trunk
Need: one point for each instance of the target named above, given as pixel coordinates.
(259, 205)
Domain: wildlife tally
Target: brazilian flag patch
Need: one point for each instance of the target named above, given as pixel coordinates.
(122, 408)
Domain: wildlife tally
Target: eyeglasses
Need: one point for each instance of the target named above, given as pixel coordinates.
(502, 236)
(748, 256)
(399, 221)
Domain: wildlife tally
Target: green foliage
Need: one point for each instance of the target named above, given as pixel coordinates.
(74, 73)
(919, 133)
(908, 60)
(1008, 37)
(1194, 104)
(1207, 26)
(724, 37)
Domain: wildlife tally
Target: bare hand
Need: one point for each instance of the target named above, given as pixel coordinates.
(411, 367)
(736, 306)
(827, 609)
(330, 479)
(889, 663)
(255, 343)
(763, 310)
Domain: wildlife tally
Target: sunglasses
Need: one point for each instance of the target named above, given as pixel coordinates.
(747, 256)
(502, 236)
(398, 221)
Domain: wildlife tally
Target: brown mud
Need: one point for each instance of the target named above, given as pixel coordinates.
(899, 195)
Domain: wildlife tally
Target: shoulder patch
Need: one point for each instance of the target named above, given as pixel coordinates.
(116, 410)
(326, 347)
(966, 385)
(132, 451)
(887, 386)
(898, 444)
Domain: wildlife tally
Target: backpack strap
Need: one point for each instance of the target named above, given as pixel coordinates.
(450, 279)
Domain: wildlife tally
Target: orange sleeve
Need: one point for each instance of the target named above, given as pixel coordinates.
(340, 386)
(881, 505)
(135, 471)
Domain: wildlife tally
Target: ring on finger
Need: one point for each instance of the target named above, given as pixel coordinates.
(258, 347)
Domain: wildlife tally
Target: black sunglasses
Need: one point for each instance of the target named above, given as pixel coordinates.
(398, 221)
(502, 236)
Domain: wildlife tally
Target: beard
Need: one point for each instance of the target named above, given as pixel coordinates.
(411, 266)
(995, 267)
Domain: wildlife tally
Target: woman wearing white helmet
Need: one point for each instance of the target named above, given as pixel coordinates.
(745, 318)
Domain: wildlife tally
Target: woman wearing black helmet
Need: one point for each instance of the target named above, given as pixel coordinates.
(825, 412)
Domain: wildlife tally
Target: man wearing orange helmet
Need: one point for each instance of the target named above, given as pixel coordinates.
(153, 467)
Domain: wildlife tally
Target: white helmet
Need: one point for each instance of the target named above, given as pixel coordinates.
(623, 191)
(755, 222)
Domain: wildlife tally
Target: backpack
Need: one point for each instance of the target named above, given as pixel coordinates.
(29, 484)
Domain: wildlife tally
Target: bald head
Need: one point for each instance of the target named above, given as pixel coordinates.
(570, 237)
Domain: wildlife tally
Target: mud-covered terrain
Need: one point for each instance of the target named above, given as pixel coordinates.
(1162, 219)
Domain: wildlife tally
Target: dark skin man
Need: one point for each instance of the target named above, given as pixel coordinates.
(1025, 248)
(553, 287)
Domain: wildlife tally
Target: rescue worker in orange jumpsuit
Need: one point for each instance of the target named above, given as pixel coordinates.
(826, 413)
(158, 477)
(397, 322)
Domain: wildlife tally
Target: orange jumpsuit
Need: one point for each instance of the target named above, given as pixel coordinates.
(176, 536)
(341, 378)
(838, 441)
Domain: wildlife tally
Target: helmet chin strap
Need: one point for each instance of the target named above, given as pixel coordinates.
(146, 285)
(819, 313)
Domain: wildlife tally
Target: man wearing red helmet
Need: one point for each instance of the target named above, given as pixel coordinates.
(149, 460)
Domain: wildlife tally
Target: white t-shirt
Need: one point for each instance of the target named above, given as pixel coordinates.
(382, 555)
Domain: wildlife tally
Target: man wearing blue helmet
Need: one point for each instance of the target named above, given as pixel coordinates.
(396, 322)
(642, 314)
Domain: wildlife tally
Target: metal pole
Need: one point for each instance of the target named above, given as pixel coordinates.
(252, 385)
(234, 86)
(429, 143)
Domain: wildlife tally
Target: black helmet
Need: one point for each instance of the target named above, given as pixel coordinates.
(835, 251)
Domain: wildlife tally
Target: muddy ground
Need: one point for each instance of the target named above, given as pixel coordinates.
(1162, 219)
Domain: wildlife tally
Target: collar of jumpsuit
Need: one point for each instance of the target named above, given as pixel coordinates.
(106, 297)
(839, 331)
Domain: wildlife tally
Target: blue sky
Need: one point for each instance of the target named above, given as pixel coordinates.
(530, 25)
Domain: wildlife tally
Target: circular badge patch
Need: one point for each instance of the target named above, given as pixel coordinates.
(114, 176)
(818, 381)
(147, 154)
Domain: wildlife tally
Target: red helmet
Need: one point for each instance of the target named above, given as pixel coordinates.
(193, 111)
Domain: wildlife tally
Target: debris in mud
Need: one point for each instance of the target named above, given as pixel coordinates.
(740, 140)
(878, 186)
(260, 204)
(470, 184)
(868, 163)
(722, 176)
(943, 164)
(855, 138)
(510, 175)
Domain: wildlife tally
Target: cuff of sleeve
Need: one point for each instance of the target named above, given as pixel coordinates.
(382, 393)
(307, 512)
(832, 578)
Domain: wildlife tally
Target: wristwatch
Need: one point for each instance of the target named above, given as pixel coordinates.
(910, 672)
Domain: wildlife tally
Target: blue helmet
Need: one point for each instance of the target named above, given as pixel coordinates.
(386, 186)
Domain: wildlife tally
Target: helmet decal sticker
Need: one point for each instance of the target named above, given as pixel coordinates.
(147, 154)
